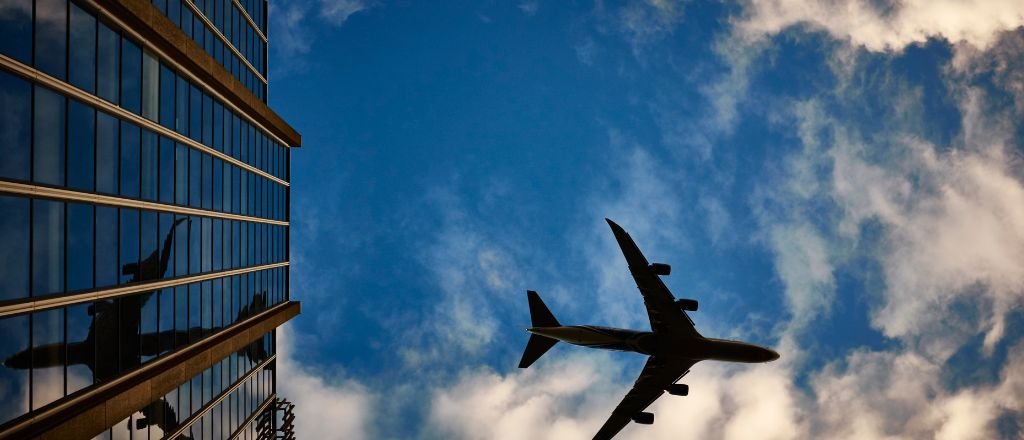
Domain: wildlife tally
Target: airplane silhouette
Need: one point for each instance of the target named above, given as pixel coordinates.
(673, 344)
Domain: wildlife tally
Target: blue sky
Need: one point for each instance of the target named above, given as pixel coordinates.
(842, 180)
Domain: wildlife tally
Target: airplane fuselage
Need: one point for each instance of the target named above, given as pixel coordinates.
(696, 348)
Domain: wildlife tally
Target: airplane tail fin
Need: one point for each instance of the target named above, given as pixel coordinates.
(536, 348)
(540, 316)
(539, 313)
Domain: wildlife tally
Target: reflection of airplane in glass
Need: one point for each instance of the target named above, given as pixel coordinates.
(674, 345)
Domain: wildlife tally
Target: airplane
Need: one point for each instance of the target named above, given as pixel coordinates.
(673, 344)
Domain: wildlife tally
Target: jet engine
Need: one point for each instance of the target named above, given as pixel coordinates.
(644, 418)
(678, 389)
(661, 269)
(690, 305)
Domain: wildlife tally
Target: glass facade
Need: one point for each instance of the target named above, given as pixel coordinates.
(137, 222)
(229, 31)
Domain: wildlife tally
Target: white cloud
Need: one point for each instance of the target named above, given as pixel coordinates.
(337, 11)
(887, 25)
(327, 405)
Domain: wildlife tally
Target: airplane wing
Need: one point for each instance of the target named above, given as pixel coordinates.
(665, 315)
(657, 375)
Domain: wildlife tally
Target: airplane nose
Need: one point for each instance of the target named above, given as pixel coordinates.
(771, 355)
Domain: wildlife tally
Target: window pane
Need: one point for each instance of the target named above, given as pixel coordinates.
(48, 157)
(166, 170)
(181, 174)
(166, 320)
(207, 307)
(195, 246)
(80, 246)
(16, 100)
(14, 382)
(129, 159)
(218, 248)
(15, 36)
(181, 246)
(150, 86)
(47, 357)
(217, 185)
(194, 304)
(167, 80)
(207, 185)
(131, 76)
(195, 113)
(108, 61)
(14, 218)
(148, 347)
(207, 253)
(129, 245)
(82, 56)
(180, 316)
(148, 170)
(195, 163)
(47, 247)
(81, 146)
(80, 347)
(51, 37)
(149, 254)
(106, 246)
(105, 322)
(167, 231)
(207, 120)
(181, 106)
(107, 158)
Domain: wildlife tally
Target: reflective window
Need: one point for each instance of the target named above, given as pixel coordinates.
(51, 37)
(166, 170)
(48, 137)
(166, 232)
(108, 60)
(82, 55)
(149, 254)
(180, 316)
(195, 246)
(47, 357)
(148, 333)
(181, 174)
(130, 138)
(195, 109)
(16, 100)
(217, 187)
(218, 245)
(107, 158)
(150, 87)
(16, 32)
(14, 227)
(148, 171)
(81, 146)
(80, 246)
(166, 323)
(131, 76)
(207, 181)
(167, 97)
(129, 246)
(194, 312)
(80, 347)
(195, 164)
(181, 106)
(181, 245)
(14, 371)
(47, 247)
(107, 270)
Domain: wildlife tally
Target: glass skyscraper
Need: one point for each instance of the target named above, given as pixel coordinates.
(143, 221)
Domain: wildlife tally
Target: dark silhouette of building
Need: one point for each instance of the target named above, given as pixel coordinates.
(144, 217)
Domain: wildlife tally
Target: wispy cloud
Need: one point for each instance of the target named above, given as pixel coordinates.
(887, 25)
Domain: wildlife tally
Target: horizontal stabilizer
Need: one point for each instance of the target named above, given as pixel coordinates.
(536, 348)
(539, 313)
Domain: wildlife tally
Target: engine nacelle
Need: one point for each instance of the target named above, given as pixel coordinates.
(644, 418)
(678, 389)
(661, 269)
(690, 305)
